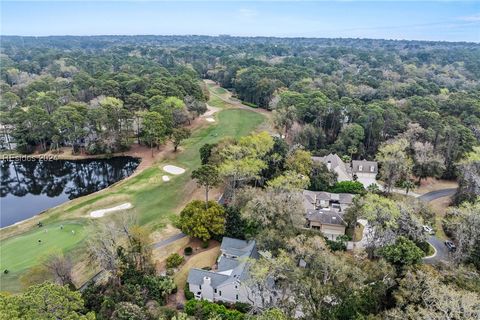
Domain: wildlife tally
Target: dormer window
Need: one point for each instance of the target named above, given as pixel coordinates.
(372, 168)
(360, 168)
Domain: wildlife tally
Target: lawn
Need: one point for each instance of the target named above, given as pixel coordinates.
(19, 253)
(203, 259)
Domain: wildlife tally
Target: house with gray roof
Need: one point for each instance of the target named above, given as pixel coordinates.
(335, 164)
(228, 281)
(324, 212)
(360, 170)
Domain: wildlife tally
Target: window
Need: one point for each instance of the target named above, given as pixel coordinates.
(236, 297)
(220, 293)
(200, 287)
(215, 290)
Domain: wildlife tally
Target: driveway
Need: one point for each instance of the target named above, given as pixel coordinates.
(441, 251)
(433, 195)
(167, 241)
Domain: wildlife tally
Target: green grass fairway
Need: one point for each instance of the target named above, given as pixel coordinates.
(155, 201)
(19, 253)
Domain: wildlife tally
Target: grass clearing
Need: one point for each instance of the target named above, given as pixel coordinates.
(20, 252)
(203, 259)
(439, 206)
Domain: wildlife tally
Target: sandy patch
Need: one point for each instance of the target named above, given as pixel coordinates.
(173, 169)
(210, 111)
(165, 178)
(210, 119)
(100, 213)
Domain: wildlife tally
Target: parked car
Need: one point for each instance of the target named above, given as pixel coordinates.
(450, 245)
(428, 230)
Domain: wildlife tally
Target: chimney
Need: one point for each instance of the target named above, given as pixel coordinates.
(207, 281)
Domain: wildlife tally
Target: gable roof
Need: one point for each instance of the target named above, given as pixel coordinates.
(239, 248)
(229, 269)
(367, 166)
(195, 276)
(329, 216)
(311, 198)
(337, 165)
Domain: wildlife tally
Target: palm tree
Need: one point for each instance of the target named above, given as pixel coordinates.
(408, 185)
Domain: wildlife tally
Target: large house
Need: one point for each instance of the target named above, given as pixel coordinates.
(324, 212)
(360, 170)
(228, 282)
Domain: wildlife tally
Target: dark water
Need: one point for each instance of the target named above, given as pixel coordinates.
(30, 187)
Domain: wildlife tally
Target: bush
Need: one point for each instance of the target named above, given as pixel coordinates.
(425, 247)
(188, 294)
(338, 245)
(188, 251)
(209, 310)
(242, 307)
(251, 105)
(205, 244)
(174, 260)
(348, 187)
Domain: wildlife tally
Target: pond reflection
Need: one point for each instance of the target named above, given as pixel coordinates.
(30, 187)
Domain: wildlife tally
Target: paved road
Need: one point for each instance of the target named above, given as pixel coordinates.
(442, 253)
(167, 241)
(433, 195)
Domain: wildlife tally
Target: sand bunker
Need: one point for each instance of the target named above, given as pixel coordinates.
(100, 213)
(210, 111)
(166, 178)
(173, 169)
(210, 119)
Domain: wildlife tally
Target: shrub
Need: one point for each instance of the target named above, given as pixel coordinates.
(251, 105)
(205, 244)
(174, 260)
(188, 294)
(348, 187)
(242, 307)
(338, 245)
(210, 310)
(188, 251)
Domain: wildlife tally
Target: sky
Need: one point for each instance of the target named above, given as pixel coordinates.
(411, 20)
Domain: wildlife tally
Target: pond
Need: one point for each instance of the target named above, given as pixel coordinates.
(33, 186)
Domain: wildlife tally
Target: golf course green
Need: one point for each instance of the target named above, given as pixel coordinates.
(21, 252)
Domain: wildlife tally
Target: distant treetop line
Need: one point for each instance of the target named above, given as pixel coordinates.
(329, 95)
